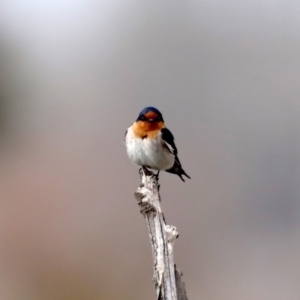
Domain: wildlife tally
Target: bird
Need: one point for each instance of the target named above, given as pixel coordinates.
(150, 144)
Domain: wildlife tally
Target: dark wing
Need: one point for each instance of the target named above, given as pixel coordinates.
(125, 134)
(125, 137)
(168, 139)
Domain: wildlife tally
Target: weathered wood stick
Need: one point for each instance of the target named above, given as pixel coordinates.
(167, 279)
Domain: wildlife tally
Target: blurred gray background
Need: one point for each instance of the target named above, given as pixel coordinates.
(75, 74)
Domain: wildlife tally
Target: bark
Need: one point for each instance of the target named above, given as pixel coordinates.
(167, 279)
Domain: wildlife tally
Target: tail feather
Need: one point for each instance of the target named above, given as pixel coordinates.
(177, 169)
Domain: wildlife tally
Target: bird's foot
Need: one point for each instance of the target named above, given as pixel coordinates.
(157, 177)
(144, 170)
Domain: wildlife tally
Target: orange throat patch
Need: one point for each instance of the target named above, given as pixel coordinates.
(144, 129)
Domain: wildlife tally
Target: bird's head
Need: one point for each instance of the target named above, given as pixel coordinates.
(151, 115)
(150, 119)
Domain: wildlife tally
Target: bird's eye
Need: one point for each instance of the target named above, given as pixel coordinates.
(143, 118)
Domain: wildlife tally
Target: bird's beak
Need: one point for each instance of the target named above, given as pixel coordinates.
(151, 120)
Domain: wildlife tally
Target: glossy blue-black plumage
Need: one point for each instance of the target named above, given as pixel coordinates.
(150, 108)
(168, 138)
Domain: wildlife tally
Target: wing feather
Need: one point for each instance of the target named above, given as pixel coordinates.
(168, 139)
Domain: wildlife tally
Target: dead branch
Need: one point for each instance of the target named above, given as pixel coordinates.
(166, 277)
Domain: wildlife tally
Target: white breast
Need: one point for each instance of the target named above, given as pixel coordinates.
(148, 152)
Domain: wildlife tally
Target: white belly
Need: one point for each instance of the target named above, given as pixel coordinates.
(148, 153)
